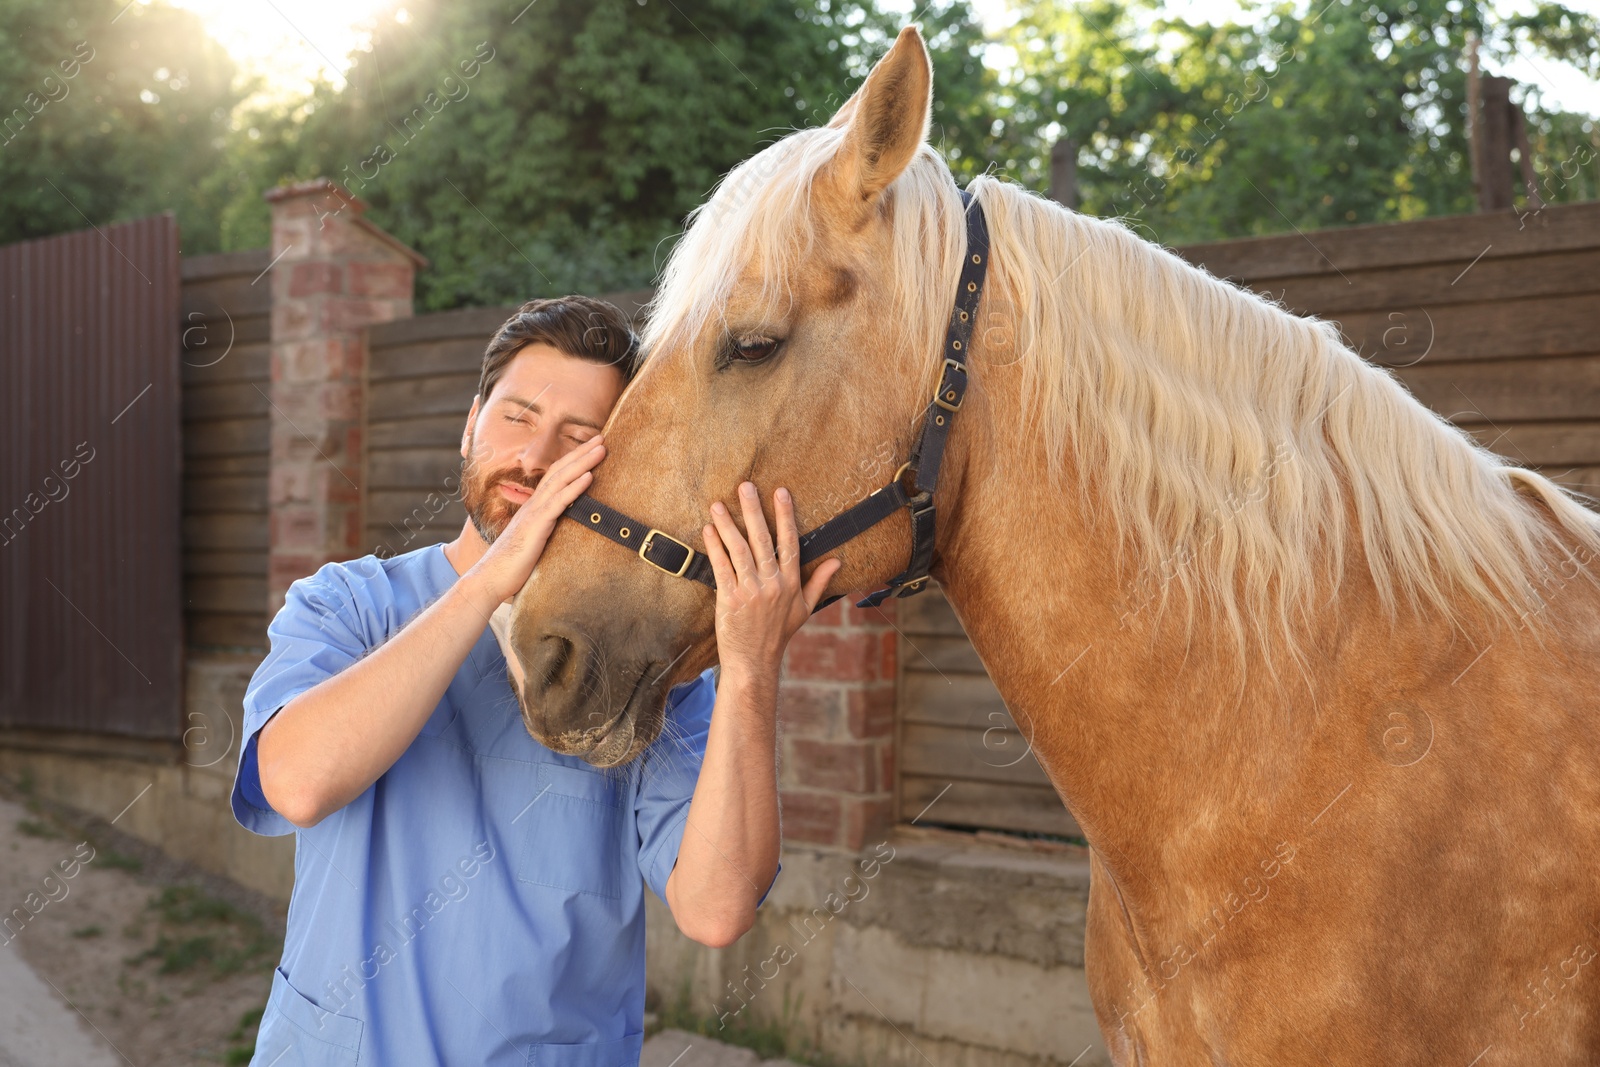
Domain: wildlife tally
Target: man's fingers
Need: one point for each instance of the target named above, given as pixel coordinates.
(819, 581)
(755, 529)
(738, 551)
(721, 567)
(788, 544)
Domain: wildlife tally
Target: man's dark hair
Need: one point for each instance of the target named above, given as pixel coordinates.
(579, 326)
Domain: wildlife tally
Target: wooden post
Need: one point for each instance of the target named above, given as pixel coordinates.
(1494, 145)
(1064, 172)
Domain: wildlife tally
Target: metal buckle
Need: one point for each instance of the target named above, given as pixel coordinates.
(688, 553)
(938, 396)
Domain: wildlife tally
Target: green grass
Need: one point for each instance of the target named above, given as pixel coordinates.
(242, 1053)
(87, 931)
(198, 931)
(37, 828)
(768, 1038)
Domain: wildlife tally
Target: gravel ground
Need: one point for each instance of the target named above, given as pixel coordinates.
(168, 964)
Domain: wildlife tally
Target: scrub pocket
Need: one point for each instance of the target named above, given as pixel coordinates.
(623, 1052)
(571, 836)
(318, 1038)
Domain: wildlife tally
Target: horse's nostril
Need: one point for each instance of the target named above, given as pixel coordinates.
(555, 653)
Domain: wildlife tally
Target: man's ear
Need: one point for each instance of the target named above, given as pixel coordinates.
(886, 121)
(466, 431)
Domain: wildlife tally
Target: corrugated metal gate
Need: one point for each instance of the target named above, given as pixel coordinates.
(89, 481)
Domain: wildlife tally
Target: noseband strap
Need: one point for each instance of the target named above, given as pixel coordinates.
(667, 553)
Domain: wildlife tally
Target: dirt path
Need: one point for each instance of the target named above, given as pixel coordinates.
(170, 965)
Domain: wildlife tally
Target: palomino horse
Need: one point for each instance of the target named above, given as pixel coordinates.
(1318, 677)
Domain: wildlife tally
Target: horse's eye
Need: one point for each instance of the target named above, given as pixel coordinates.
(754, 349)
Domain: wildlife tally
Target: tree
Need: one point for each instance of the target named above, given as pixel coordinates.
(110, 113)
(1348, 112)
(559, 149)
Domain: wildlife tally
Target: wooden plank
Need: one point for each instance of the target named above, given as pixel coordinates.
(1498, 392)
(439, 395)
(225, 400)
(231, 437)
(206, 629)
(968, 755)
(448, 356)
(387, 543)
(197, 468)
(206, 495)
(1563, 227)
(950, 655)
(427, 431)
(1585, 480)
(250, 262)
(1540, 444)
(225, 594)
(1438, 284)
(225, 531)
(225, 564)
(929, 613)
(396, 506)
(244, 362)
(207, 343)
(441, 325)
(965, 701)
(436, 469)
(987, 806)
(1547, 326)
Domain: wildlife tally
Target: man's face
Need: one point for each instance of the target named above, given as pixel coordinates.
(545, 404)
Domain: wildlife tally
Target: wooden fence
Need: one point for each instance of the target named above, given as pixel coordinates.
(226, 374)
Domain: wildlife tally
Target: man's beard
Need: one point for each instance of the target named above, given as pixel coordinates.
(488, 509)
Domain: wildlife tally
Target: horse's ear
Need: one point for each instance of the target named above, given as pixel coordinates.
(886, 121)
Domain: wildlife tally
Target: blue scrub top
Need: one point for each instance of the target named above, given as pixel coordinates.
(483, 901)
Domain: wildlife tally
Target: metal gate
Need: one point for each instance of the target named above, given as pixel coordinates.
(89, 482)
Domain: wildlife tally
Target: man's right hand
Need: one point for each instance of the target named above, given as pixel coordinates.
(505, 567)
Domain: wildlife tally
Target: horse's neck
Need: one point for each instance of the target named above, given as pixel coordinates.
(1149, 729)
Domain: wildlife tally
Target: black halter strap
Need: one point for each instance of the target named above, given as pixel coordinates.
(663, 551)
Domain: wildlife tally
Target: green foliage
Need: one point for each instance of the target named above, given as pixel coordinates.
(37, 828)
(562, 150)
(1300, 117)
(108, 118)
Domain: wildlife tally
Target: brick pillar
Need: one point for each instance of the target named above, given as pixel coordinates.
(836, 710)
(333, 274)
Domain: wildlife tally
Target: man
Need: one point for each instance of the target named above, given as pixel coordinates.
(462, 894)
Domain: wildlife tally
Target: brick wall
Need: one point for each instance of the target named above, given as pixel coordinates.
(333, 274)
(836, 710)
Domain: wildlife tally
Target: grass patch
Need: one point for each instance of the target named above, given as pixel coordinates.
(198, 931)
(87, 931)
(769, 1038)
(105, 856)
(244, 1038)
(37, 828)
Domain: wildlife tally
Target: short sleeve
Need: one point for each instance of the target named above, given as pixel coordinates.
(316, 634)
(668, 771)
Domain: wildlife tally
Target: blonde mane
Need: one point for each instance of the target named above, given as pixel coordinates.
(1233, 447)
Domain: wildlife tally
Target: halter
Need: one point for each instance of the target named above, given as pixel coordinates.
(666, 553)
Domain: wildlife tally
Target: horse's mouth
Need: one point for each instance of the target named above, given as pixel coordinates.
(611, 742)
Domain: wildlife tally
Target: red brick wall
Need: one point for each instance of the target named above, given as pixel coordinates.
(333, 274)
(836, 715)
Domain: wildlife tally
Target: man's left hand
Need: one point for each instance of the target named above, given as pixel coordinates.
(761, 600)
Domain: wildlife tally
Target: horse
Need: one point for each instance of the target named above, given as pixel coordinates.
(1317, 675)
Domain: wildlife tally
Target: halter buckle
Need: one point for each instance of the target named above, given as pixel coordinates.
(644, 549)
(938, 395)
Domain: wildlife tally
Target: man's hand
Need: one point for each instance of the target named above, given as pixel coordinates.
(761, 601)
(504, 569)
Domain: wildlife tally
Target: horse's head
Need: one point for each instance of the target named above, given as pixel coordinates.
(785, 347)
